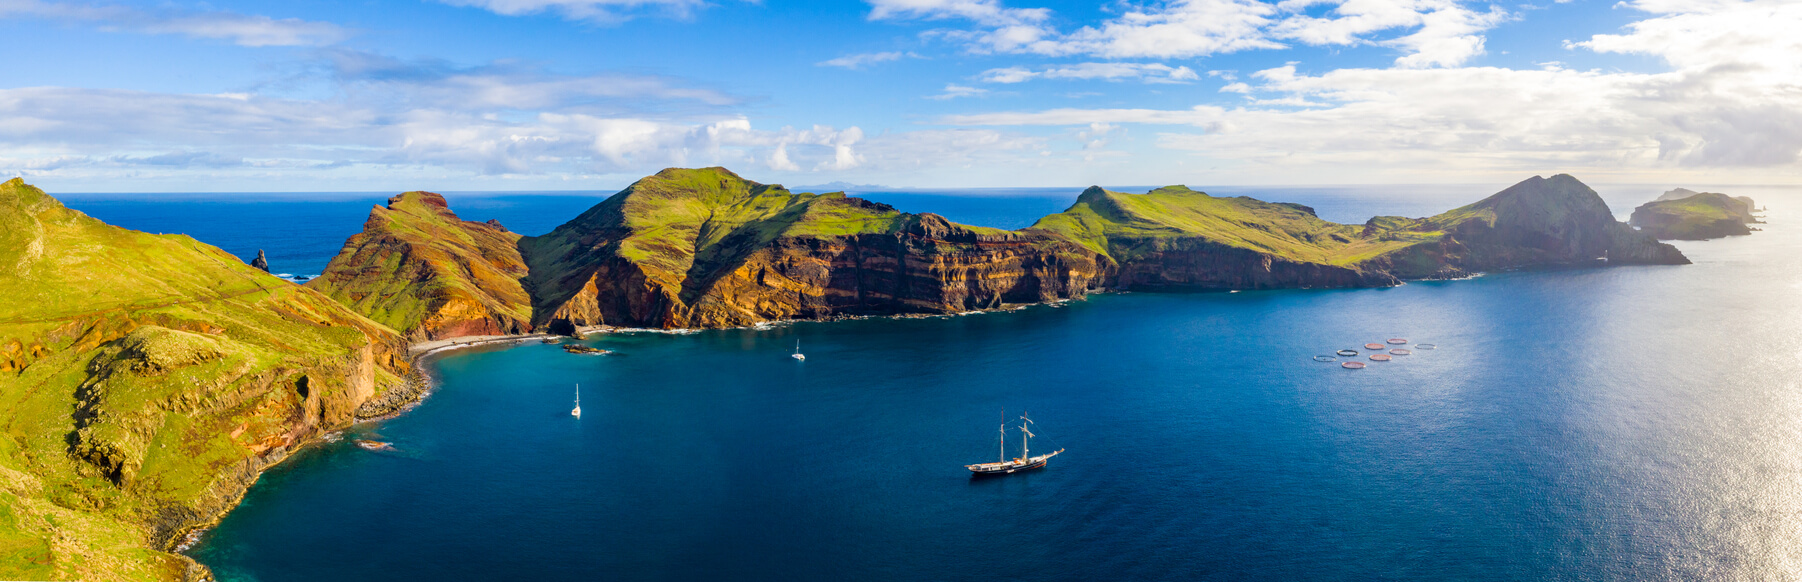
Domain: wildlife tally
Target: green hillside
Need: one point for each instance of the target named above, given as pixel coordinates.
(417, 268)
(144, 379)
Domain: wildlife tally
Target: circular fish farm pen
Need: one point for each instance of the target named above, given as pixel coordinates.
(1347, 352)
(1425, 347)
(1400, 352)
(1397, 341)
(1352, 365)
(1325, 359)
(1373, 346)
(1379, 357)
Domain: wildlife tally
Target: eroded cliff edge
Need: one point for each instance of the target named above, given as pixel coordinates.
(145, 381)
(708, 248)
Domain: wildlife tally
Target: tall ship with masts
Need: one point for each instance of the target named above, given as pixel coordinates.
(1021, 463)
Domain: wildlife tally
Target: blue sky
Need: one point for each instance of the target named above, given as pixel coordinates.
(322, 95)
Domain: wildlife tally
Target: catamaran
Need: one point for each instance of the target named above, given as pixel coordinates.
(1023, 462)
(577, 412)
(798, 354)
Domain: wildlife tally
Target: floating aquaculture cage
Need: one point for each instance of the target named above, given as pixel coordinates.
(1397, 341)
(1379, 357)
(1352, 365)
(1347, 352)
(1400, 352)
(1425, 347)
(1373, 346)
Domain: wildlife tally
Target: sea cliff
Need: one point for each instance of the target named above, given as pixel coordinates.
(705, 247)
(146, 380)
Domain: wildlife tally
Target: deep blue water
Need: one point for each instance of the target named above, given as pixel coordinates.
(1594, 424)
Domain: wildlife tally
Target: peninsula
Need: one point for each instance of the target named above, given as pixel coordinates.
(697, 248)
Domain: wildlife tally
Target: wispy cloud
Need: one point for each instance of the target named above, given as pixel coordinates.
(241, 29)
(1429, 32)
(596, 11)
(1145, 72)
(862, 60)
(954, 90)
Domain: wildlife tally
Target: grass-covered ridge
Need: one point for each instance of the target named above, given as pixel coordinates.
(1124, 226)
(417, 268)
(1697, 216)
(144, 379)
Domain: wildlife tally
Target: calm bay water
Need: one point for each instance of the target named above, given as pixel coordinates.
(1594, 424)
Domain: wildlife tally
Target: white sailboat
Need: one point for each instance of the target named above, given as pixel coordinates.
(798, 355)
(577, 412)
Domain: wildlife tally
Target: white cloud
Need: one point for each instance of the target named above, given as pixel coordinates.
(240, 29)
(954, 90)
(1728, 102)
(1429, 32)
(862, 60)
(598, 11)
(1146, 72)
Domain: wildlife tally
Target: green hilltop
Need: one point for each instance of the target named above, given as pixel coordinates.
(1695, 216)
(419, 269)
(145, 380)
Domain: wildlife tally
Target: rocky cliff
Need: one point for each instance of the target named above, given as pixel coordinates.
(707, 248)
(419, 269)
(145, 380)
(1699, 216)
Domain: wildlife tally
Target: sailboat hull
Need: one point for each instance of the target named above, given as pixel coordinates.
(1010, 467)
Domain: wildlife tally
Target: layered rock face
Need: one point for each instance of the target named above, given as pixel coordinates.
(706, 248)
(146, 380)
(1698, 216)
(419, 269)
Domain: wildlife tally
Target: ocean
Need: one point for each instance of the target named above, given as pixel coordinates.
(1575, 424)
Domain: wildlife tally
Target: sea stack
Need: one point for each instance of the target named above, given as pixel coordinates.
(261, 262)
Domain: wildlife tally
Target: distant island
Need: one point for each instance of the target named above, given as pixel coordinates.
(1683, 214)
(146, 380)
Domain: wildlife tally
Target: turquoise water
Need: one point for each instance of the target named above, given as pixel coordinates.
(1593, 424)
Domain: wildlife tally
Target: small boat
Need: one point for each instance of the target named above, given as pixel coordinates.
(1324, 359)
(798, 355)
(1400, 352)
(1379, 357)
(1397, 341)
(1373, 346)
(1352, 365)
(1425, 346)
(1347, 352)
(1022, 463)
(577, 411)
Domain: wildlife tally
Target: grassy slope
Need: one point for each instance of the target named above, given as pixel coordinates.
(415, 263)
(1124, 225)
(683, 223)
(138, 374)
(1695, 216)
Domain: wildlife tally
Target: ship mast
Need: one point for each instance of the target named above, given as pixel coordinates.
(1025, 438)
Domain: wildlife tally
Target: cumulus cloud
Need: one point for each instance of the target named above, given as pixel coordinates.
(597, 11)
(240, 29)
(1145, 72)
(1727, 102)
